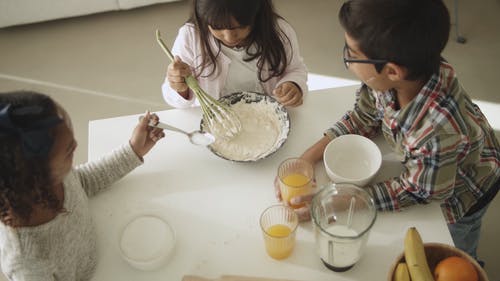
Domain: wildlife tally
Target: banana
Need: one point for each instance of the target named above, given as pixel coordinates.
(401, 273)
(415, 257)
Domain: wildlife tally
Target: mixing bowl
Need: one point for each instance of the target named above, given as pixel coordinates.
(265, 127)
(352, 159)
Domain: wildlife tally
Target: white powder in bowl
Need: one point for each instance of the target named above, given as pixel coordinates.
(263, 130)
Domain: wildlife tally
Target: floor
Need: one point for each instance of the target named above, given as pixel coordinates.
(108, 64)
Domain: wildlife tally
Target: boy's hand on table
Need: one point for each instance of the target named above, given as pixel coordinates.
(303, 212)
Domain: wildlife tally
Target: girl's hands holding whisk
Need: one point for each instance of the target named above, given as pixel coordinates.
(176, 75)
(145, 137)
(288, 94)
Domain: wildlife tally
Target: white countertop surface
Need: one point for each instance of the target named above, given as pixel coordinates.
(214, 205)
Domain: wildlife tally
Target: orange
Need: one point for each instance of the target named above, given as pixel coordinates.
(455, 269)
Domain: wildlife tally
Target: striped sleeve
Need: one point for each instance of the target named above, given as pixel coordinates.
(429, 175)
(362, 120)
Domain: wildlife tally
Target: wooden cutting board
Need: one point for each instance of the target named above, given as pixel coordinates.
(231, 278)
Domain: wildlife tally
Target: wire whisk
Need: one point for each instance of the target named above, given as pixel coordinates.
(219, 118)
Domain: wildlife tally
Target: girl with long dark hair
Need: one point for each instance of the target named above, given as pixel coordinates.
(232, 46)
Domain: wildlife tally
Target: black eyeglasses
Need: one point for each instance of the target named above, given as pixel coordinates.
(347, 60)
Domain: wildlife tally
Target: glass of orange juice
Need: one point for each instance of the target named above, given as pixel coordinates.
(295, 178)
(278, 224)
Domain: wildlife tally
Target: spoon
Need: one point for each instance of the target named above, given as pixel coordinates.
(195, 137)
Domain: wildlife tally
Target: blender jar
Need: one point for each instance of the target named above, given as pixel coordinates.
(343, 215)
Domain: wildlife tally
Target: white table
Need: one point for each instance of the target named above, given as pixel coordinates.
(214, 205)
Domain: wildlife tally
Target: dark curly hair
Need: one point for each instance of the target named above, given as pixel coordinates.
(25, 179)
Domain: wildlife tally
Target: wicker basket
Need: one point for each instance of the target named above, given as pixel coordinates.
(435, 252)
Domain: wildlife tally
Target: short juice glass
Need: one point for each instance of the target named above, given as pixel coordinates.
(278, 224)
(295, 178)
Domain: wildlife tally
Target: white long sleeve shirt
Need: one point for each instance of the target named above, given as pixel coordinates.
(186, 46)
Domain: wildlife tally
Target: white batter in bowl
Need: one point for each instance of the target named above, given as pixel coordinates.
(265, 127)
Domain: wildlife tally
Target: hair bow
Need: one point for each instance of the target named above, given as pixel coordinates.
(35, 139)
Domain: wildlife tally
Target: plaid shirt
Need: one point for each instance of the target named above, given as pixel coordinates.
(449, 150)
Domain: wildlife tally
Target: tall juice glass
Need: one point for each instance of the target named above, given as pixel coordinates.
(278, 224)
(295, 178)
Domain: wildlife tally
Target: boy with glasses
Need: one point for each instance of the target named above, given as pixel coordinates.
(413, 97)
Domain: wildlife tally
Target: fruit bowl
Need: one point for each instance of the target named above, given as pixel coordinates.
(435, 252)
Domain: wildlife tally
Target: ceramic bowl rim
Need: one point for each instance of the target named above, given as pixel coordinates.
(226, 99)
(151, 263)
(336, 140)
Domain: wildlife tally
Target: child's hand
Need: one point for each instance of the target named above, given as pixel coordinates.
(303, 213)
(145, 137)
(176, 75)
(288, 94)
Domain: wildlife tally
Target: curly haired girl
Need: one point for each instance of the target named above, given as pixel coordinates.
(46, 231)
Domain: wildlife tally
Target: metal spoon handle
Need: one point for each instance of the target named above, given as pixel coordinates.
(168, 127)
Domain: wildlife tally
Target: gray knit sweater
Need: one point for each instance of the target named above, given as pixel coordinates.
(65, 247)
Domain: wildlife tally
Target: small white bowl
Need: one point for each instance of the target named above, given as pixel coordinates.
(352, 159)
(147, 242)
